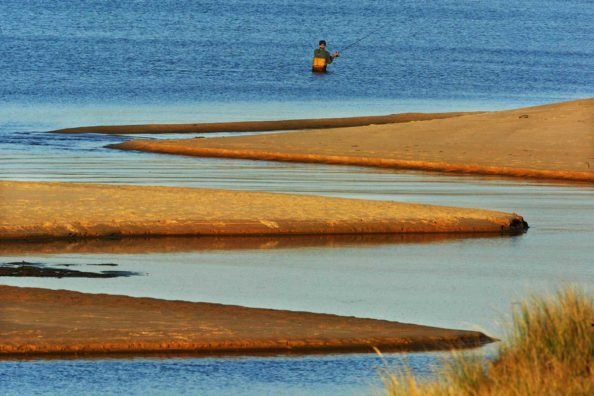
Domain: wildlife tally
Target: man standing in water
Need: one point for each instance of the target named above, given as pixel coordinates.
(322, 58)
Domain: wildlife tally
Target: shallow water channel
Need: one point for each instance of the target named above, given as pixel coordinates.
(451, 282)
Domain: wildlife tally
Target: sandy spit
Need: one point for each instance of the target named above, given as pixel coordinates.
(43, 210)
(258, 126)
(554, 141)
(37, 322)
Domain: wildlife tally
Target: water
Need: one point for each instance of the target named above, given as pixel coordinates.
(452, 282)
(80, 60)
(296, 375)
(82, 63)
(432, 279)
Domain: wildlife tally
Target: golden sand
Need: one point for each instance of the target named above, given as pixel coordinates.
(37, 322)
(554, 141)
(37, 210)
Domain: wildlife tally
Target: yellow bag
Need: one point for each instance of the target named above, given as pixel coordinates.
(319, 65)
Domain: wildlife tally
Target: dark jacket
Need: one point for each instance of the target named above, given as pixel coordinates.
(322, 58)
(323, 53)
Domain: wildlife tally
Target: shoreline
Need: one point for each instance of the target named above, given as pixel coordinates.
(148, 146)
(43, 211)
(554, 141)
(81, 324)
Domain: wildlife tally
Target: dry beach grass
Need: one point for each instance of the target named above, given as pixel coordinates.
(549, 350)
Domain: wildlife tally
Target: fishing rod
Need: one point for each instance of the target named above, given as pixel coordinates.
(364, 37)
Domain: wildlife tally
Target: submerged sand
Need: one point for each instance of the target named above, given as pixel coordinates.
(258, 126)
(38, 210)
(554, 141)
(37, 322)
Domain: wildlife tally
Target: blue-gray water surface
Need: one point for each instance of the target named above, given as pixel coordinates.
(73, 63)
(76, 55)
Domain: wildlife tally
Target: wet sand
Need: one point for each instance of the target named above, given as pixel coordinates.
(258, 126)
(38, 322)
(43, 210)
(554, 141)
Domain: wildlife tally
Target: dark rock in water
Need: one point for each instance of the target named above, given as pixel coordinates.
(19, 263)
(518, 226)
(25, 269)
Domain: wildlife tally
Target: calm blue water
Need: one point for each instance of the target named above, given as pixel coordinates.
(331, 375)
(73, 63)
(70, 54)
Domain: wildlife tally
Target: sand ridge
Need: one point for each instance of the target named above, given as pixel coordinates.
(37, 322)
(554, 141)
(44, 210)
(257, 126)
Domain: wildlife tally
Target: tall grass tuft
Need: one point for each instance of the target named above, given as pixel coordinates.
(548, 350)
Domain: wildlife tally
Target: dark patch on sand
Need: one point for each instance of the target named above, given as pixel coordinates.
(26, 269)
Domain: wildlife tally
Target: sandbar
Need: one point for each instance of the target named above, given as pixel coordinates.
(257, 126)
(46, 210)
(41, 322)
(554, 141)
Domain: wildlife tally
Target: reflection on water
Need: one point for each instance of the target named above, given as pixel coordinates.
(210, 243)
